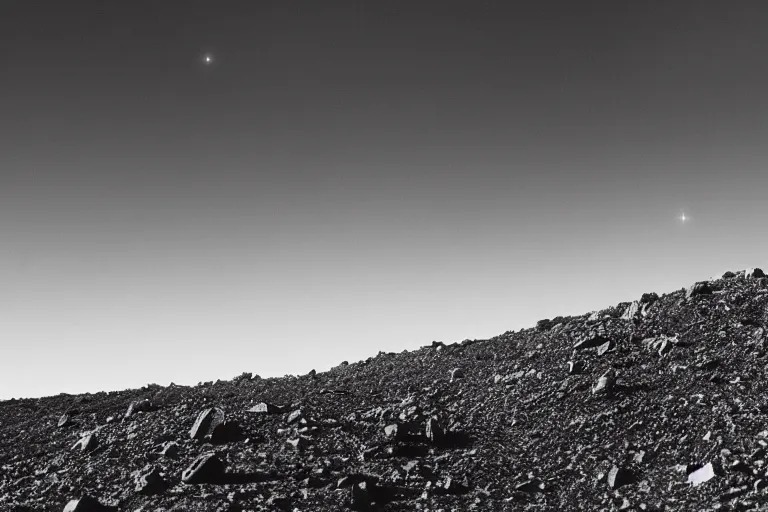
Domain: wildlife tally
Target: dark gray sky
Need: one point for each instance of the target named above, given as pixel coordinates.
(349, 177)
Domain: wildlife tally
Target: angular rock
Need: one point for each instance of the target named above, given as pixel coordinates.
(457, 373)
(618, 477)
(701, 475)
(361, 496)
(754, 273)
(205, 423)
(700, 288)
(294, 416)
(590, 342)
(605, 383)
(299, 443)
(64, 420)
(87, 443)
(575, 367)
(530, 486)
(206, 469)
(139, 406)
(87, 504)
(434, 432)
(266, 408)
(150, 482)
(170, 450)
(225, 432)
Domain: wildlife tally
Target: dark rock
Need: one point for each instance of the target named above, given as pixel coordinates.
(140, 406)
(294, 416)
(64, 420)
(700, 288)
(87, 443)
(604, 385)
(361, 496)
(702, 474)
(150, 482)
(205, 423)
(87, 504)
(170, 450)
(266, 408)
(591, 341)
(530, 486)
(618, 477)
(226, 432)
(754, 273)
(206, 469)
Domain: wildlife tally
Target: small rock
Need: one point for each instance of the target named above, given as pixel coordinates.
(207, 468)
(150, 482)
(604, 348)
(754, 273)
(87, 443)
(170, 450)
(434, 431)
(87, 504)
(206, 421)
(457, 373)
(700, 288)
(225, 432)
(530, 486)
(294, 416)
(64, 420)
(361, 496)
(140, 406)
(619, 476)
(266, 408)
(605, 383)
(590, 342)
(701, 475)
(575, 367)
(299, 444)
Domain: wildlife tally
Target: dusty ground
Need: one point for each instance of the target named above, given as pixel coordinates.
(499, 424)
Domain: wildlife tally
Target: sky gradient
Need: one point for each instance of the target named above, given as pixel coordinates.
(357, 176)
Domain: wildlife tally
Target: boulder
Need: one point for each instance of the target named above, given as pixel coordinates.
(205, 423)
(206, 469)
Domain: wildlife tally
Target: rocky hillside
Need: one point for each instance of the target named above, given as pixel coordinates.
(657, 404)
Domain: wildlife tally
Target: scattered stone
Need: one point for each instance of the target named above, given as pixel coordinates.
(294, 416)
(700, 288)
(206, 469)
(531, 486)
(266, 408)
(205, 423)
(434, 431)
(701, 475)
(87, 504)
(299, 444)
(604, 348)
(590, 342)
(87, 443)
(170, 450)
(605, 383)
(150, 482)
(140, 406)
(618, 477)
(361, 496)
(225, 432)
(64, 420)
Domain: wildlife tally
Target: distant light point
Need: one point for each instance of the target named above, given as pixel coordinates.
(682, 217)
(208, 58)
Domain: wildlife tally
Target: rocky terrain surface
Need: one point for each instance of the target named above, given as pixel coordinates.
(655, 404)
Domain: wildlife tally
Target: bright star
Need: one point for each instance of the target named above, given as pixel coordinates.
(682, 217)
(208, 58)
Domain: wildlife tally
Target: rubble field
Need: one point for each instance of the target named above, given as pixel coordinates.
(655, 404)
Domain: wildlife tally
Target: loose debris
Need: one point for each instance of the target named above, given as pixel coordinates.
(655, 404)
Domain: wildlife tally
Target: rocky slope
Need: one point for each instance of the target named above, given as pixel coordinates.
(658, 404)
